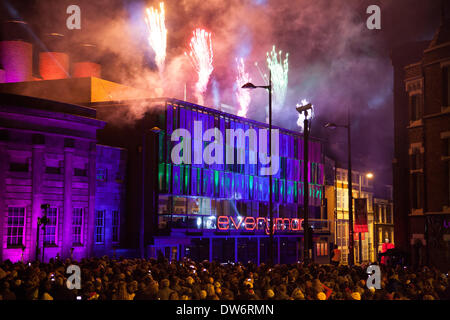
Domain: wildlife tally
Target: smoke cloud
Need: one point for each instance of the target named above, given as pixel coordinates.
(335, 62)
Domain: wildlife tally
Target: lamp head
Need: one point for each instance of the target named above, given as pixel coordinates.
(249, 85)
(369, 175)
(330, 125)
(304, 108)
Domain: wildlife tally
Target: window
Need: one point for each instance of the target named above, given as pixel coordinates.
(448, 182)
(388, 214)
(315, 173)
(321, 249)
(416, 191)
(18, 167)
(50, 228)
(415, 107)
(80, 172)
(193, 205)
(339, 198)
(77, 225)
(164, 204)
(369, 202)
(447, 147)
(100, 226)
(101, 174)
(179, 205)
(53, 170)
(416, 159)
(445, 89)
(16, 226)
(115, 226)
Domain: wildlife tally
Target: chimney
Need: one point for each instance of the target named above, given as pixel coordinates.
(54, 63)
(16, 52)
(86, 64)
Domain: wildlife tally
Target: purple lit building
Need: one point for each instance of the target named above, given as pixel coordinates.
(49, 155)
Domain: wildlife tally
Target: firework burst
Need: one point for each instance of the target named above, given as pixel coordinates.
(242, 95)
(157, 34)
(201, 57)
(279, 69)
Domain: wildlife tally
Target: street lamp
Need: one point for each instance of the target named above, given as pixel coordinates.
(369, 175)
(306, 229)
(268, 87)
(41, 221)
(350, 196)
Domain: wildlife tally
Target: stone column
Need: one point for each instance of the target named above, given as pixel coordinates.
(259, 251)
(235, 249)
(91, 202)
(38, 166)
(278, 254)
(210, 249)
(66, 244)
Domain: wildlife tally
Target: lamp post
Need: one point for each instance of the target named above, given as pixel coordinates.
(41, 221)
(306, 229)
(268, 87)
(329, 125)
(368, 176)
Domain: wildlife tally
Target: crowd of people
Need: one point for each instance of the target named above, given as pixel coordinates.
(160, 279)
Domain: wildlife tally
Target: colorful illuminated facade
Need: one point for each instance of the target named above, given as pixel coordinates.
(214, 211)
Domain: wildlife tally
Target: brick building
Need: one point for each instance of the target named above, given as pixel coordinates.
(427, 83)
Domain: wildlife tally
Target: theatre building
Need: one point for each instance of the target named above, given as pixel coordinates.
(215, 211)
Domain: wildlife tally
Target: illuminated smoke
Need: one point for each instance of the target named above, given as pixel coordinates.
(301, 116)
(279, 69)
(157, 34)
(201, 56)
(242, 95)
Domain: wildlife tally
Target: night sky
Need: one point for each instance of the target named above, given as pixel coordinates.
(335, 62)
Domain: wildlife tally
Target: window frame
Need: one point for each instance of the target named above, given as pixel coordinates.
(9, 227)
(81, 226)
(97, 226)
(115, 228)
(47, 226)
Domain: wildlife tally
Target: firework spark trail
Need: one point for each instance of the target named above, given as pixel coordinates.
(242, 95)
(279, 68)
(201, 56)
(301, 116)
(157, 37)
(263, 76)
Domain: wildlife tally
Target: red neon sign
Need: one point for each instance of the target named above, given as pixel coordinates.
(252, 223)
